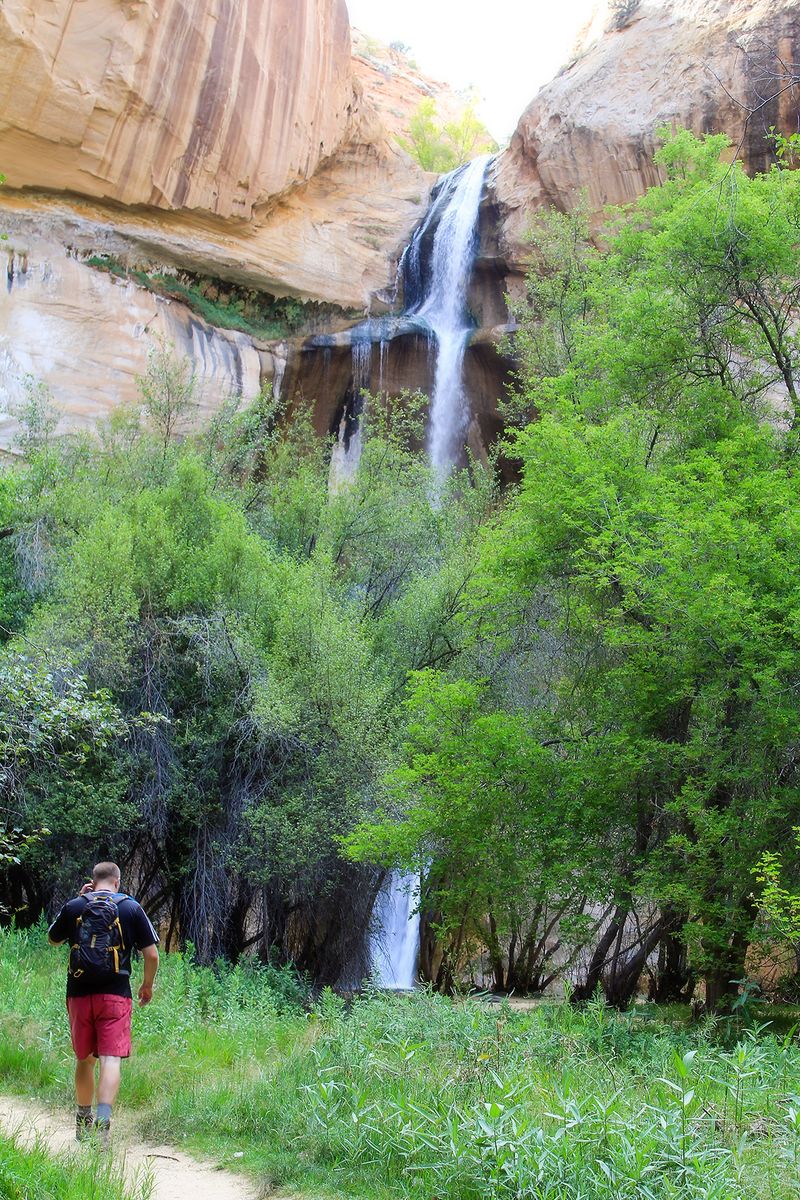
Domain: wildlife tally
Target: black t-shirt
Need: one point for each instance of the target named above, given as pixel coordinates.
(137, 933)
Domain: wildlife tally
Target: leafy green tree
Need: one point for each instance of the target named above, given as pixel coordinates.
(52, 728)
(477, 806)
(168, 392)
(656, 501)
(779, 905)
(688, 312)
(255, 631)
(441, 147)
(633, 611)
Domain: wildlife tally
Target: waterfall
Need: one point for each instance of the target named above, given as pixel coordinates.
(437, 296)
(394, 949)
(435, 271)
(441, 301)
(346, 453)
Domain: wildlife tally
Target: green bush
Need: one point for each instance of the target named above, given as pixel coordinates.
(223, 304)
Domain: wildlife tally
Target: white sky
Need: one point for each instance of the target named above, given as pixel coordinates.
(507, 48)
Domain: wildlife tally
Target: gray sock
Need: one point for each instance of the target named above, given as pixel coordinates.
(104, 1114)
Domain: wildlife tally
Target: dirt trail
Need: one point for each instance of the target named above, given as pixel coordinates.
(175, 1175)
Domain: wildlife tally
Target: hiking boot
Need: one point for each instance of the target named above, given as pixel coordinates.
(101, 1131)
(84, 1124)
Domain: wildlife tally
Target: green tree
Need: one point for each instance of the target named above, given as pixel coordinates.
(657, 496)
(255, 631)
(479, 807)
(634, 609)
(441, 147)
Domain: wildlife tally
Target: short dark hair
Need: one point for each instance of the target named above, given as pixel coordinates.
(106, 870)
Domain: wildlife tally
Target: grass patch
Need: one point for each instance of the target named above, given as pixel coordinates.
(226, 305)
(31, 1173)
(424, 1096)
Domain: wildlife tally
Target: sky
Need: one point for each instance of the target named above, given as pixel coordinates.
(507, 48)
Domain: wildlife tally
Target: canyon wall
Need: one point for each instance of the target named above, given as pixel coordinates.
(215, 105)
(243, 141)
(710, 65)
(228, 138)
(87, 335)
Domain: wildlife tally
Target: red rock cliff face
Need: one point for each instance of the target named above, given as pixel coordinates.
(229, 137)
(202, 104)
(711, 65)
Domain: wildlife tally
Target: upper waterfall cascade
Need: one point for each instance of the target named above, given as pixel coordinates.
(441, 301)
(434, 271)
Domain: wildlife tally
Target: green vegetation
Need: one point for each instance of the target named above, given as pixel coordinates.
(421, 1096)
(31, 1173)
(243, 636)
(442, 146)
(781, 906)
(226, 305)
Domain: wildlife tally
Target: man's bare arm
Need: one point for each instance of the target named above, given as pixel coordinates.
(150, 957)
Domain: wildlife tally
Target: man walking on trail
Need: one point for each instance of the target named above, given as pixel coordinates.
(102, 926)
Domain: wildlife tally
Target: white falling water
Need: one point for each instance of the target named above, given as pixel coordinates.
(346, 453)
(445, 310)
(442, 305)
(395, 946)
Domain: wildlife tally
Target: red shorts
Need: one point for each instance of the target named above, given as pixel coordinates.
(100, 1025)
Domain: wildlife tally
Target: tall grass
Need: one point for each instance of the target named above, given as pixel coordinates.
(30, 1173)
(426, 1097)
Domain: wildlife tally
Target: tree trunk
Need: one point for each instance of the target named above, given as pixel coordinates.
(720, 990)
(626, 970)
(674, 980)
(722, 980)
(584, 991)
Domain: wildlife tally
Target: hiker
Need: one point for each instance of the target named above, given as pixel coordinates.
(102, 926)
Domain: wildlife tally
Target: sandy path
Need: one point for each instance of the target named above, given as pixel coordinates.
(175, 1175)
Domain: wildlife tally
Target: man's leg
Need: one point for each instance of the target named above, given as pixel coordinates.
(108, 1083)
(107, 1088)
(85, 1046)
(84, 1081)
(113, 1021)
(84, 1094)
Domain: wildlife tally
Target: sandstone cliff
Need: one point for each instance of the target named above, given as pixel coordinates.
(711, 65)
(216, 105)
(227, 133)
(230, 138)
(87, 336)
(394, 87)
